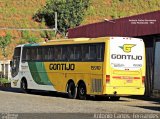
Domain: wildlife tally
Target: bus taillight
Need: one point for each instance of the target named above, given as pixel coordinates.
(143, 79)
(107, 78)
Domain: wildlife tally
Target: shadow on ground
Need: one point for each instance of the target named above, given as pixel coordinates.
(145, 98)
(55, 94)
(155, 108)
(34, 92)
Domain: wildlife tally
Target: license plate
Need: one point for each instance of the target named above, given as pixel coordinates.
(129, 81)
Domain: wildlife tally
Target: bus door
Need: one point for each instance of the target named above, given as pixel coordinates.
(15, 62)
(126, 61)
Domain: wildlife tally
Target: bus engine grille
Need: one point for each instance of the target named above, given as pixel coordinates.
(96, 85)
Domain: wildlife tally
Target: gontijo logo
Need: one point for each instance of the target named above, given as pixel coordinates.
(127, 47)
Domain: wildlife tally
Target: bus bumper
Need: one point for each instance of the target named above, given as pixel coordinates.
(124, 91)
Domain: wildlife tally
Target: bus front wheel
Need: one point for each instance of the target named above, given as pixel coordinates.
(82, 91)
(24, 86)
(72, 90)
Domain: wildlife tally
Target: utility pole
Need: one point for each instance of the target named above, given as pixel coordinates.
(56, 28)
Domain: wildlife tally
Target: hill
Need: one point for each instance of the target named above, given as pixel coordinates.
(19, 13)
(113, 9)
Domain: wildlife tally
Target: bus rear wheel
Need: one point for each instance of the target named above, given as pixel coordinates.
(24, 86)
(72, 90)
(82, 91)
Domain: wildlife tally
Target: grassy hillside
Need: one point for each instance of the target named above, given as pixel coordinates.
(112, 9)
(18, 14)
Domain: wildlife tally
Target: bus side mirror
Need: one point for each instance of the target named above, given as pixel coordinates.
(11, 62)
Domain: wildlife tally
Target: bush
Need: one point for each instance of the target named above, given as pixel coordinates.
(32, 39)
(3, 80)
(25, 34)
(4, 42)
(48, 34)
(28, 37)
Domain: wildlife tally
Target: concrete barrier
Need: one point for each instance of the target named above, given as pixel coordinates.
(156, 93)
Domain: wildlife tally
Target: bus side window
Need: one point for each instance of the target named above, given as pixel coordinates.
(92, 52)
(70, 51)
(100, 52)
(58, 53)
(45, 53)
(24, 54)
(85, 52)
(33, 53)
(77, 53)
(28, 54)
(51, 53)
(39, 53)
(64, 53)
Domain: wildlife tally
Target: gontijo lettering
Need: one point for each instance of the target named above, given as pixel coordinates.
(126, 57)
(62, 66)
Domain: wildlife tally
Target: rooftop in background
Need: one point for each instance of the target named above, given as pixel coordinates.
(133, 26)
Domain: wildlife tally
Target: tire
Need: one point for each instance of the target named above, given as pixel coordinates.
(72, 90)
(24, 86)
(82, 91)
(115, 98)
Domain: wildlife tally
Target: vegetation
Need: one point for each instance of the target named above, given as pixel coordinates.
(70, 13)
(3, 81)
(4, 42)
(30, 38)
(113, 9)
(19, 13)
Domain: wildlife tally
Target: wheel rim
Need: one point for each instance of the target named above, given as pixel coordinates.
(23, 85)
(82, 92)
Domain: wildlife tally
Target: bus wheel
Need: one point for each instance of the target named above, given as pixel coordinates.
(114, 98)
(72, 90)
(24, 86)
(82, 91)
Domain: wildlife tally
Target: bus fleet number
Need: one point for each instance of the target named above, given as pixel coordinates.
(95, 67)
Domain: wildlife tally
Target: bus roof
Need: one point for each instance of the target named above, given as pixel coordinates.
(74, 41)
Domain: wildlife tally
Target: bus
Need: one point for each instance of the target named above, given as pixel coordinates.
(109, 66)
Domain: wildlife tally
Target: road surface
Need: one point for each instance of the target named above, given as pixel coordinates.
(14, 101)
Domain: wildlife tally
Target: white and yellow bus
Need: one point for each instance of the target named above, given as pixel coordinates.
(111, 66)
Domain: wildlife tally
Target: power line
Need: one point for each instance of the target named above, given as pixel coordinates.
(26, 29)
(32, 29)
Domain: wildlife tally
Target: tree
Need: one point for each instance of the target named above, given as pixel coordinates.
(4, 42)
(70, 13)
